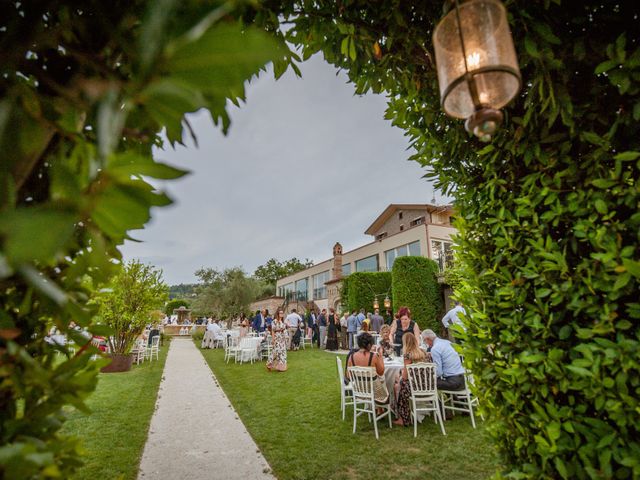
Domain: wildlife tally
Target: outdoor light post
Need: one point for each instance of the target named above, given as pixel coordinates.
(477, 66)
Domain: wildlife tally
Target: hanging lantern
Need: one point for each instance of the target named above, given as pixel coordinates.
(387, 302)
(376, 304)
(477, 65)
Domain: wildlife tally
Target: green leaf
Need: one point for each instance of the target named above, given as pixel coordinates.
(531, 47)
(603, 183)
(219, 62)
(581, 371)
(601, 206)
(36, 233)
(167, 101)
(606, 66)
(132, 164)
(353, 55)
(627, 156)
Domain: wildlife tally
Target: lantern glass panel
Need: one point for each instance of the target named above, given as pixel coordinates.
(491, 57)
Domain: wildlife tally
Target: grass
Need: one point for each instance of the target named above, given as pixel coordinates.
(114, 434)
(294, 417)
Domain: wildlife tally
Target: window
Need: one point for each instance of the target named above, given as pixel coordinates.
(302, 292)
(319, 287)
(346, 269)
(417, 221)
(380, 236)
(411, 249)
(369, 264)
(414, 249)
(442, 252)
(400, 216)
(287, 290)
(401, 227)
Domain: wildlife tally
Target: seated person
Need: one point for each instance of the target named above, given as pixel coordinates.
(412, 354)
(364, 357)
(449, 369)
(385, 348)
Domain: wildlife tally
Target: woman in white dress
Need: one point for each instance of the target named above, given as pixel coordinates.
(278, 357)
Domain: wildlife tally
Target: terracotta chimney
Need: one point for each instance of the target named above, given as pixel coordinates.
(336, 272)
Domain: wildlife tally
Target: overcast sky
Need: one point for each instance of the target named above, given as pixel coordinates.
(305, 164)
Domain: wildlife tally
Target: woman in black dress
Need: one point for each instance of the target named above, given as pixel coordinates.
(332, 331)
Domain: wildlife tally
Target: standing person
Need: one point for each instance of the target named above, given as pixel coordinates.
(322, 328)
(388, 317)
(268, 319)
(452, 318)
(258, 322)
(293, 321)
(332, 331)
(278, 357)
(360, 319)
(311, 326)
(376, 321)
(412, 353)
(344, 342)
(352, 329)
(244, 325)
(401, 326)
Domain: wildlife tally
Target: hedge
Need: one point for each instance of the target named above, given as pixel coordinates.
(415, 285)
(359, 289)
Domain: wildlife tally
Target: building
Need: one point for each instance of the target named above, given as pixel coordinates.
(401, 229)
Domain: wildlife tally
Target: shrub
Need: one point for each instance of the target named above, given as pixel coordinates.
(359, 289)
(415, 285)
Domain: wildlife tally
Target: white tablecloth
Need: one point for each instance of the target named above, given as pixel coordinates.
(391, 371)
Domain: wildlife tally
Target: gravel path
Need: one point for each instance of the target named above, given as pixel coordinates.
(195, 433)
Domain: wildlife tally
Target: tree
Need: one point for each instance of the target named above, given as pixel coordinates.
(226, 293)
(126, 306)
(86, 91)
(274, 269)
(548, 214)
(173, 304)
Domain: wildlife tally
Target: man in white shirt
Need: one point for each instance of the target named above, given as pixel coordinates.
(452, 318)
(292, 321)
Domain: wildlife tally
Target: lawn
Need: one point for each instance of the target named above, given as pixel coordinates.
(114, 434)
(294, 417)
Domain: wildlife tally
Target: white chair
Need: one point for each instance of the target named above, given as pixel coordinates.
(95, 342)
(305, 339)
(424, 393)
(267, 351)
(460, 400)
(364, 398)
(139, 351)
(231, 347)
(346, 391)
(153, 348)
(246, 350)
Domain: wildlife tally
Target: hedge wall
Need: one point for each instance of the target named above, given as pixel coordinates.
(358, 289)
(415, 285)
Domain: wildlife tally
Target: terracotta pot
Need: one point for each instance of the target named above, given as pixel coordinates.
(119, 363)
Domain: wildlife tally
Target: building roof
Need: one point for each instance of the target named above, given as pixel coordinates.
(394, 207)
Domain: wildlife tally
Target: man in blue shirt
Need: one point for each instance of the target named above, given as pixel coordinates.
(352, 328)
(449, 369)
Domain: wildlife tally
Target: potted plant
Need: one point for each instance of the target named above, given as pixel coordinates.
(126, 305)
